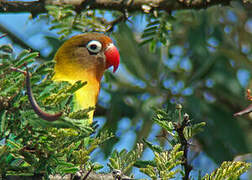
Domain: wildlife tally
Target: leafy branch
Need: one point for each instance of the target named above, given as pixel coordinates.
(40, 149)
(37, 7)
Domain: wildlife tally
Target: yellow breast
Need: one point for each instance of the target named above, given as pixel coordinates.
(74, 63)
(86, 96)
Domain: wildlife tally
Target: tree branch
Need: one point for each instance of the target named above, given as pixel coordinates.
(79, 175)
(244, 111)
(179, 127)
(16, 38)
(34, 104)
(38, 7)
(21, 6)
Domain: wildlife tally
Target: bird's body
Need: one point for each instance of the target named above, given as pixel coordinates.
(85, 57)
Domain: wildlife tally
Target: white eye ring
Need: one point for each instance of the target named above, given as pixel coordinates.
(94, 46)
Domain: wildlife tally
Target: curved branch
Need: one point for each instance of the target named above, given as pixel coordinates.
(38, 7)
(34, 104)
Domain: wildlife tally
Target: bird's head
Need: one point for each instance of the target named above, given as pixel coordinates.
(99, 45)
(91, 52)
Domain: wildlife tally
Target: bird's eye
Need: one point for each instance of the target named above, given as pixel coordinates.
(94, 46)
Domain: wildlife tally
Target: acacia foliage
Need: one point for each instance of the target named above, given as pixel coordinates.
(189, 57)
(33, 146)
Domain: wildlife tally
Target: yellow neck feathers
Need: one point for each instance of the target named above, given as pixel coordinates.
(86, 96)
(74, 62)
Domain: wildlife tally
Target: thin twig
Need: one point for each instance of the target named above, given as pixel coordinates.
(34, 104)
(112, 24)
(86, 176)
(244, 111)
(16, 69)
(247, 109)
(180, 130)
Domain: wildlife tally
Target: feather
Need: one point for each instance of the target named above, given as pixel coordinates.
(74, 62)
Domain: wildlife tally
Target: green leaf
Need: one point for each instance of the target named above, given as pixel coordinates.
(157, 22)
(13, 144)
(152, 46)
(70, 170)
(150, 29)
(197, 128)
(228, 170)
(146, 41)
(143, 164)
(148, 34)
(7, 48)
(22, 54)
(3, 121)
(26, 58)
(154, 148)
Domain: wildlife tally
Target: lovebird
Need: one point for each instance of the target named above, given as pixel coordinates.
(85, 57)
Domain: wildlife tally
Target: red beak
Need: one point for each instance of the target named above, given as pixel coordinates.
(112, 57)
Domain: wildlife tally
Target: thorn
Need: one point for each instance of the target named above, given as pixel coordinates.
(35, 106)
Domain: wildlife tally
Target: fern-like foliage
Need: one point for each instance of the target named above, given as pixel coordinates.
(65, 19)
(157, 30)
(166, 164)
(228, 170)
(169, 121)
(125, 160)
(29, 144)
(173, 163)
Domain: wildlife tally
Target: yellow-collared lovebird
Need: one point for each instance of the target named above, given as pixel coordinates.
(85, 57)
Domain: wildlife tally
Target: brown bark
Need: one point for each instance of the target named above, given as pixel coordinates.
(91, 176)
(37, 7)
